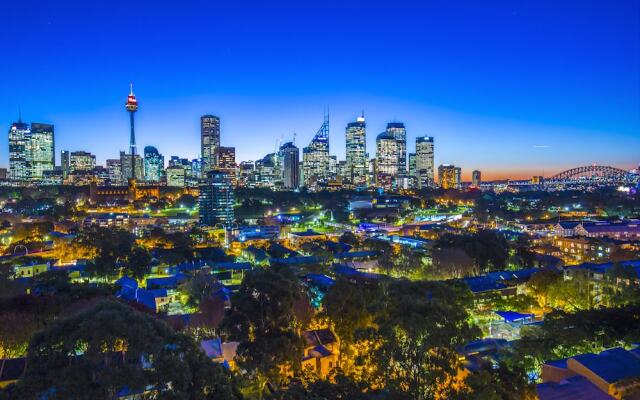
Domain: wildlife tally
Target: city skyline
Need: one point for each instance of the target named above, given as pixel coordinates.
(532, 103)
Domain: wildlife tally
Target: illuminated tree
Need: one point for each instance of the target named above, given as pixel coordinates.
(109, 348)
(420, 325)
(262, 319)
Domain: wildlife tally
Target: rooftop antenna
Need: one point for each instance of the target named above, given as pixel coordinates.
(19, 114)
(294, 138)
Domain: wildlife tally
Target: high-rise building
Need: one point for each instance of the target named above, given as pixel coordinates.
(315, 157)
(81, 161)
(399, 132)
(153, 164)
(40, 150)
(134, 169)
(247, 173)
(356, 151)
(129, 163)
(216, 199)
(209, 141)
(424, 162)
(267, 171)
(290, 156)
(114, 172)
(65, 163)
(449, 176)
(386, 160)
(225, 158)
(19, 134)
(476, 178)
(412, 165)
(196, 168)
(176, 176)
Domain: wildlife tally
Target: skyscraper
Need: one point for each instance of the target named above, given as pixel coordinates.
(356, 151)
(386, 160)
(315, 157)
(114, 171)
(398, 131)
(81, 161)
(216, 199)
(225, 160)
(65, 161)
(176, 176)
(424, 162)
(40, 150)
(18, 163)
(209, 141)
(449, 176)
(130, 163)
(476, 178)
(290, 156)
(132, 106)
(412, 166)
(153, 164)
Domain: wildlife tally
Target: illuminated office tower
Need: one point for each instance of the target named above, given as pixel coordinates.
(225, 159)
(399, 133)
(290, 156)
(81, 161)
(449, 176)
(386, 160)
(209, 141)
(176, 176)
(40, 150)
(65, 163)
(18, 164)
(130, 163)
(356, 151)
(476, 178)
(315, 157)
(153, 164)
(412, 165)
(216, 199)
(114, 172)
(424, 172)
(196, 168)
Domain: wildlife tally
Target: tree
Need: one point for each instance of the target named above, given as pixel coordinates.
(112, 246)
(103, 350)
(501, 383)
(15, 330)
(138, 262)
(351, 239)
(542, 283)
(200, 287)
(420, 325)
(347, 306)
(186, 201)
(620, 288)
(262, 319)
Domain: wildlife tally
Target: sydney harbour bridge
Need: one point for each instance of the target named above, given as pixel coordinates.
(595, 174)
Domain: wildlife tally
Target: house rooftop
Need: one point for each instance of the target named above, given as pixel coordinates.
(611, 365)
(576, 387)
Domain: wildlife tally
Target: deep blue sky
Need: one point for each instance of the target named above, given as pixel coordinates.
(510, 87)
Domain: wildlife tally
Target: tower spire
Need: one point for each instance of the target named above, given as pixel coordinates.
(132, 106)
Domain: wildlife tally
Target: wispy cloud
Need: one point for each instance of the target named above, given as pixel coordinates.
(541, 146)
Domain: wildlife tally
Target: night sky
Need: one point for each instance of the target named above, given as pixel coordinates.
(513, 88)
